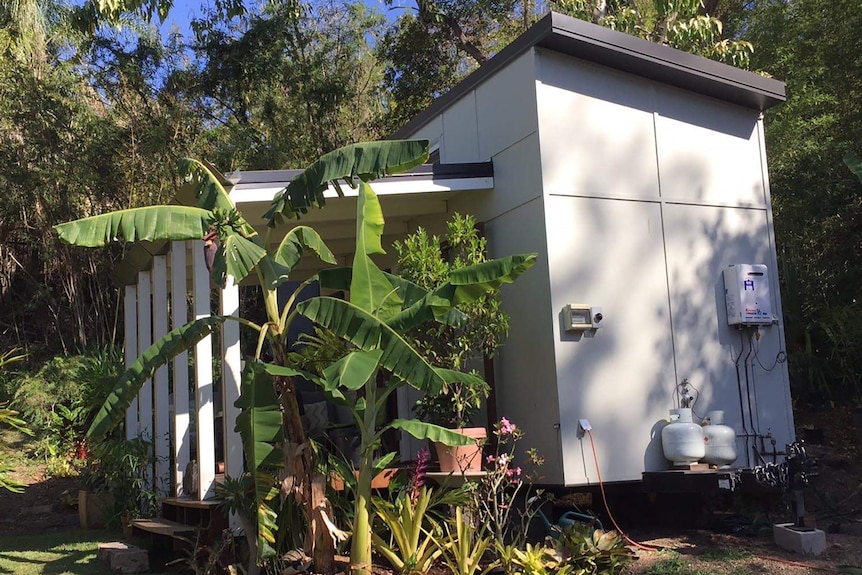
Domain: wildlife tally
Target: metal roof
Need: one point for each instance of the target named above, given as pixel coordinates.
(624, 52)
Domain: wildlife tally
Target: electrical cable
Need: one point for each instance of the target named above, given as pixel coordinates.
(739, 389)
(605, 501)
(754, 430)
(780, 357)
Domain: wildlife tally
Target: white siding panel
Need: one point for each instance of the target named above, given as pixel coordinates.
(597, 130)
(461, 132)
(145, 340)
(701, 242)
(506, 106)
(708, 150)
(609, 253)
(524, 366)
(517, 181)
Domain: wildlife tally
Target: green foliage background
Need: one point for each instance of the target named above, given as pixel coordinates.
(94, 116)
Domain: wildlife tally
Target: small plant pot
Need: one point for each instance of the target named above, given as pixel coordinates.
(462, 459)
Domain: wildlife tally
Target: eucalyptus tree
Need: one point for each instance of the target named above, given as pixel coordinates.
(683, 24)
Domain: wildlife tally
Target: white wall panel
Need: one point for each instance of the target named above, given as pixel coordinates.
(708, 150)
(506, 106)
(609, 253)
(701, 242)
(461, 132)
(597, 130)
(524, 366)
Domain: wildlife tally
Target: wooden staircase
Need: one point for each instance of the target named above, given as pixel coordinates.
(176, 530)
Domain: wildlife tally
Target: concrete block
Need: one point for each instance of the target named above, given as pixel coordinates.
(802, 540)
(124, 558)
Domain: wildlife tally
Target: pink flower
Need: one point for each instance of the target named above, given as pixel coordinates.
(513, 472)
(507, 427)
(490, 459)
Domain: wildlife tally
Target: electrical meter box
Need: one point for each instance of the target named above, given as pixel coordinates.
(746, 292)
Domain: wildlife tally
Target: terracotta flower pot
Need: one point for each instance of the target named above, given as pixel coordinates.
(462, 459)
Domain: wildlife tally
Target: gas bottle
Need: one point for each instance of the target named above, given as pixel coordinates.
(719, 440)
(682, 439)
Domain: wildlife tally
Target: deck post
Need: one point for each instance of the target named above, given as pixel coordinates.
(145, 340)
(179, 317)
(205, 424)
(130, 322)
(161, 393)
(232, 370)
(232, 375)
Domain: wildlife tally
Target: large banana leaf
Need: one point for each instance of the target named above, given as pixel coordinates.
(260, 427)
(150, 223)
(236, 257)
(422, 430)
(368, 333)
(366, 161)
(298, 240)
(339, 278)
(369, 288)
(854, 163)
(157, 355)
(259, 424)
(353, 370)
(465, 286)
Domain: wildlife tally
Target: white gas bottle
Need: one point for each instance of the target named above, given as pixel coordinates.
(682, 439)
(719, 440)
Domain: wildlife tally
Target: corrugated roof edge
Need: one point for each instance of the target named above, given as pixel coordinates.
(623, 52)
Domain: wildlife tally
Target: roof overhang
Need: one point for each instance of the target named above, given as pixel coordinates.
(623, 52)
(422, 192)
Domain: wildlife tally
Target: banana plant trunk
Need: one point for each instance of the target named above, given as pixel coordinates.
(301, 477)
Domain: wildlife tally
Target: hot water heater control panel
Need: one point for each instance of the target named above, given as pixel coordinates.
(746, 292)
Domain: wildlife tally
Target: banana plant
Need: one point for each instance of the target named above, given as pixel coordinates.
(380, 308)
(265, 426)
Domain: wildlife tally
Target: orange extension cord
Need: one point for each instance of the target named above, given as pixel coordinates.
(654, 548)
(605, 501)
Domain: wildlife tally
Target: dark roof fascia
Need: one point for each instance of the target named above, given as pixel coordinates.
(425, 171)
(623, 52)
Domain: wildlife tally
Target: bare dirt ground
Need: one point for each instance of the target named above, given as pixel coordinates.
(834, 499)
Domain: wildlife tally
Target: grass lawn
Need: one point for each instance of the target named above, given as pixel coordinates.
(62, 553)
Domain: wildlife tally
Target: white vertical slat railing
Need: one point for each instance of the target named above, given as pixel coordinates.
(180, 438)
(145, 340)
(130, 323)
(161, 391)
(205, 436)
(232, 374)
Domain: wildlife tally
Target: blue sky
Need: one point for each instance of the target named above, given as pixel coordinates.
(185, 10)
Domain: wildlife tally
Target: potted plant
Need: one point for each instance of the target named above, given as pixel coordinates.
(114, 491)
(476, 333)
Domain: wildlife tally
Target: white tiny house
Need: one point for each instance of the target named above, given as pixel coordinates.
(637, 173)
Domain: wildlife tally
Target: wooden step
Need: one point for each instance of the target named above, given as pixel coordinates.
(191, 503)
(160, 526)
